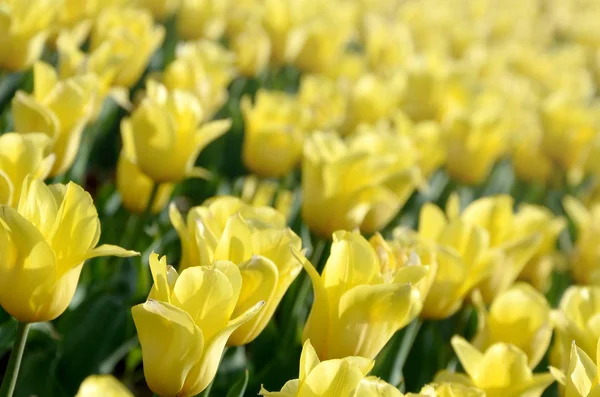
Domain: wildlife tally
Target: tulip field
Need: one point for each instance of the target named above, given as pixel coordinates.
(300, 198)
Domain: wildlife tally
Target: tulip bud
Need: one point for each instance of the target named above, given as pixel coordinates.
(23, 32)
(520, 316)
(44, 242)
(102, 386)
(273, 136)
(168, 126)
(21, 155)
(334, 378)
(360, 302)
(59, 109)
(500, 370)
(255, 239)
(185, 323)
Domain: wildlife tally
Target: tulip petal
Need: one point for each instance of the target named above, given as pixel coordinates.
(581, 374)
(44, 80)
(308, 360)
(375, 387)
(290, 389)
(31, 116)
(369, 315)
(199, 172)
(236, 242)
(6, 189)
(260, 279)
(110, 250)
(161, 290)
(333, 378)
(431, 221)
(577, 211)
(470, 358)
(211, 131)
(171, 345)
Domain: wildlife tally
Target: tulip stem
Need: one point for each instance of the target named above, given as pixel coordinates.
(14, 362)
(410, 335)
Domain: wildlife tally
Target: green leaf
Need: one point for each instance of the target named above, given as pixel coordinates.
(239, 387)
(8, 330)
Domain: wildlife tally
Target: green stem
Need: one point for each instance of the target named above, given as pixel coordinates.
(410, 335)
(14, 363)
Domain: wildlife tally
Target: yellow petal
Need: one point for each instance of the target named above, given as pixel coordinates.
(470, 358)
(171, 345)
(236, 242)
(308, 360)
(110, 250)
(161, 290)
(30, 116)
(335, 377)
(431, 222)
(375, 387)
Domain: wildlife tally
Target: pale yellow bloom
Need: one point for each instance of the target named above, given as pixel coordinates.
(345, 377)
(501, 370)
(256, 239)
(581, 377)
(199, 19)
(448, 389)
(102, 386)
(585, 258)
(360, 301)
(284, 22)
(361, 182)
(185, 323)
(324, 101)
(576, 320)
(133, 37)
(58, 108)
(21, 155)
(44, 242)
(264, 193)
(24, 27)
(160, 9)
(252, 49)
(519, 316)
(167, 134)
(204, 68)
(273, 135)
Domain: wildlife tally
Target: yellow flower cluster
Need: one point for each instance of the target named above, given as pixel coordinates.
(429, 167)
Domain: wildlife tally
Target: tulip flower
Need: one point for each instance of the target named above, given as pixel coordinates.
(513, 245)
(448, 389)
(58, 108)
(254, 238)
(581, 377)
(102, 386)
(263, 193)
(345, 377)
(204, 68)
(160, 9)
(167, 125)
(360, 302)
(199, 19)
(21, 155)
(273, 134)
(359, 183)
(23, 32)
(324, 101)
(463, 260)
(575, 320)
(134, 38)
(252, 49)
(519, 316)
(501, 370)
(284, 22)
(44, 242)
(185, 323)
(585, 259)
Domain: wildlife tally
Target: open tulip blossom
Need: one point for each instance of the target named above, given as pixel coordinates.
(357, 198)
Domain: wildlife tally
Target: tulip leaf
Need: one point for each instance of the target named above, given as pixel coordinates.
(8, 330)
(239, 388)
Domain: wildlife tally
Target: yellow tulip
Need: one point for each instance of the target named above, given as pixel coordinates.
(167, 125)
(273, 134)
(576, 320)
(198, 19)
(264, 193)
(102, 386)
(501, 370)
(585, 259)
(358, 183)
(58, 108)
(581, 377)
(44, 242)
(360, 302)
(185, 323)
(538, 219)
(513, 245)
(519, 316)
(204, 68)
(463, 260)
(255, 239)
(448, 389)
(160, 9)
(475, 142)
(388, 44)
(345, 377)
(284, 22)
(531, 164)
(21, 155)
(252, 49)
(324, 101)
(135, 188)
(23, 31)
(133, 37)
